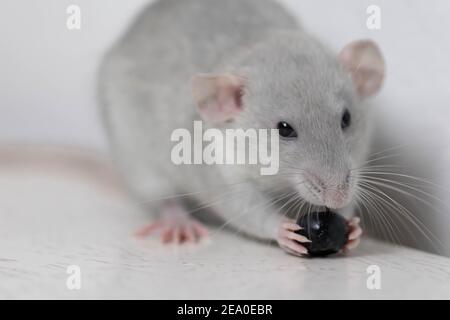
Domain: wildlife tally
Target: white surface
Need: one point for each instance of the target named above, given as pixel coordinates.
(54, 217)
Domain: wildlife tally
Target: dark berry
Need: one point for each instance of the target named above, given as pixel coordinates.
(328, 232)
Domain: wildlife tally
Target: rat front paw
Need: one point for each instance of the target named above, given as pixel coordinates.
(290, 241)
(354, 235)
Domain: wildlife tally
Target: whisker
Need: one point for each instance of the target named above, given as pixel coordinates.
(379, 209)
(376, 181)
(403, 176)
(396, 206)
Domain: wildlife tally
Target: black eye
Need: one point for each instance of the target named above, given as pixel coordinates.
(286, 130)
(346, 119)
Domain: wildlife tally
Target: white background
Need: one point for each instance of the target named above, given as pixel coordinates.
(47, 88)
(47, 81)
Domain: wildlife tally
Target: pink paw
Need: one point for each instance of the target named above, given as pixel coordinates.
(354, 235)
(175, 227)
(290, 241)
(175, 231)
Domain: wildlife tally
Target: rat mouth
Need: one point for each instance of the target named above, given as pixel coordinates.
(332, 199)
(313, 195)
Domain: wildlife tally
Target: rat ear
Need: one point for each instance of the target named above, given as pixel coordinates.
(218, 97)
(363, 60)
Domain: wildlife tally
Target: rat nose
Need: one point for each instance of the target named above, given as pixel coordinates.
(334, 191)
(321, 183)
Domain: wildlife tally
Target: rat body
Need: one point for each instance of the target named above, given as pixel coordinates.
(237, 64)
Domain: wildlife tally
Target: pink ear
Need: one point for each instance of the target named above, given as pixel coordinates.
(363, 60)
(218, 97)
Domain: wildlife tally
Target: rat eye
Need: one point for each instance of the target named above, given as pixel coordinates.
(346, 119)
(285, 130)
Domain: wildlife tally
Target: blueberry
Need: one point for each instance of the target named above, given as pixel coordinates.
(328, 232)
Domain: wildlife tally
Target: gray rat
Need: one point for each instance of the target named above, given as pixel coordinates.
(238, 64)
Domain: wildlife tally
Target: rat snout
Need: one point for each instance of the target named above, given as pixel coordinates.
(333, 191)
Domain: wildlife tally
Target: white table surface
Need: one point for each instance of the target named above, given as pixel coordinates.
(53, 218)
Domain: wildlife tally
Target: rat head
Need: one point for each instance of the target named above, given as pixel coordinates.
(314, 98)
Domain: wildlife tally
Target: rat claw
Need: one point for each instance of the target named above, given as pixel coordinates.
(293, 247)
(356, 233)
(351, 245)
(290, 241)
(187, 235)
(355, 229)
(183, 233)
(297, 237)
(178, 235)
(294, 253)
(354, 221)
(167, 235)
(147, 230)
(291, 226)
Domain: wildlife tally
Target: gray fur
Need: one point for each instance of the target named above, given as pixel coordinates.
(145, 94)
